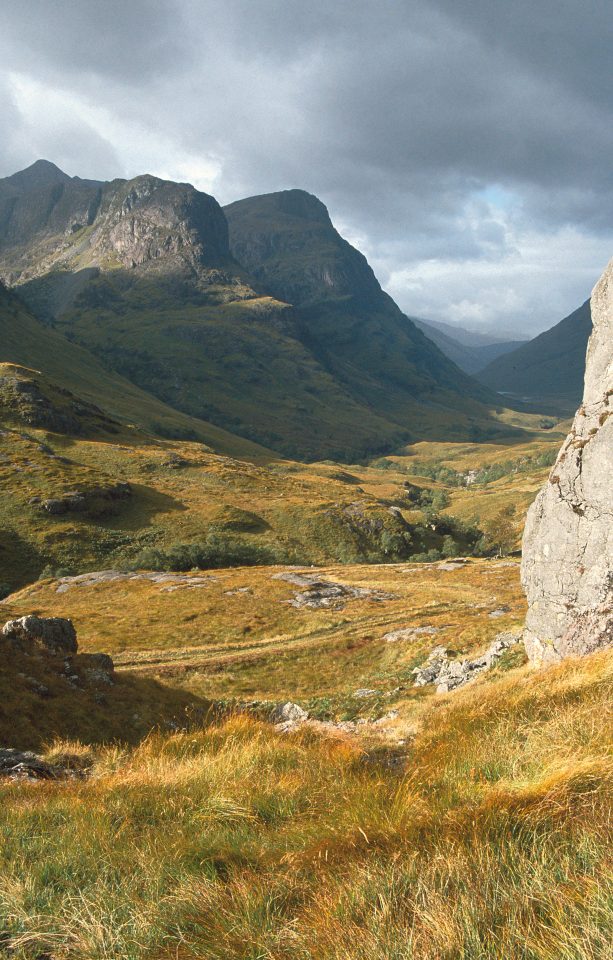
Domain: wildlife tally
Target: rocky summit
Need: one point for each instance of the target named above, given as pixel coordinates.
(567, 566)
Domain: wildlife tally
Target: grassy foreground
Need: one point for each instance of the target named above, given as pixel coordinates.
(238, 842)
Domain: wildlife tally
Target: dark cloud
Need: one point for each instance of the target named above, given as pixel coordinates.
(465, 146)
(118, 40)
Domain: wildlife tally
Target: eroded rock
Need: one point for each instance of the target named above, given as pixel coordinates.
(448, 674)
(567, 562)
(409, 633)
(25, 765)
(55, 634)
(288, 713)
(97, 667)
(326, 593)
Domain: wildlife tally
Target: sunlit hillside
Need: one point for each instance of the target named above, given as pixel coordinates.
(268, 633)
(85, 491)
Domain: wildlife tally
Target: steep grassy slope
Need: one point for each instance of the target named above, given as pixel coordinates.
(287, 241)
(548, 369)
(27, 342)
(41, 701)
(140, 273)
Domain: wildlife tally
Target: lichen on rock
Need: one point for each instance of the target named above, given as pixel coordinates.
(567, 562)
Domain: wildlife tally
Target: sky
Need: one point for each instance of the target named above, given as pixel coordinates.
(465, 146)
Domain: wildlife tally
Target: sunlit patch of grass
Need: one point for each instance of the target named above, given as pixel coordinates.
(235, 841)
(237, 636)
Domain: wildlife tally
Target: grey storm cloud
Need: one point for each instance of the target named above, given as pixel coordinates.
(464, 145)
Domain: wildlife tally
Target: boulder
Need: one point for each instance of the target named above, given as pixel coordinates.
(97, 667)
(54, 634)
(288, 713)
(567, 558)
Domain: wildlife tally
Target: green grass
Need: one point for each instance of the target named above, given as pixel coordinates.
(185, 498)
(28, 343)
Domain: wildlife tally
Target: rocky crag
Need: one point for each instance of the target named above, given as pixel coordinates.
(567, 565)
(50, 690)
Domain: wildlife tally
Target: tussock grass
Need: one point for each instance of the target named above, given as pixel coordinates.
(237, 842)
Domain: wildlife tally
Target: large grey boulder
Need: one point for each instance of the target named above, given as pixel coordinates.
(54, 634)
(567, 563)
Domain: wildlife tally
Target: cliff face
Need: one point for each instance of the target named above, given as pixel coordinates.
(297, 347)
(567, 565)
(49, 221)
(287, 241)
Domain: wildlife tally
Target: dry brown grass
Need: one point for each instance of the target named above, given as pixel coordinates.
(237, 636)
(236, 842)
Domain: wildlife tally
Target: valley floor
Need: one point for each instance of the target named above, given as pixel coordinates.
(312, 635)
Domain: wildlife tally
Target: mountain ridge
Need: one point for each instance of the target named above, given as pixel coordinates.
(311, 359)
(469, 357)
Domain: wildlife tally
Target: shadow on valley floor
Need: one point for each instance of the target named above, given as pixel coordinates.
(42, 700)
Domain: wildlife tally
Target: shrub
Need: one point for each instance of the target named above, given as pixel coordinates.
(450, 548)
(214, 552)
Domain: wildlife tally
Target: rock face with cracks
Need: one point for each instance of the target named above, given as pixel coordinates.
(567, 565)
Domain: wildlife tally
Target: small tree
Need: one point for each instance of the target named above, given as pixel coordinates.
(500, 532)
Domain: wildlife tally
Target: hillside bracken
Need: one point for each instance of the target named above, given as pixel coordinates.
(236, 841)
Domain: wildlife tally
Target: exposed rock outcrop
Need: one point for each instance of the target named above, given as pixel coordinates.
(53, 634)
(567, 565)
(55, 640)
(25, 765)
(288, 713)
(448, 674)
(326, 593)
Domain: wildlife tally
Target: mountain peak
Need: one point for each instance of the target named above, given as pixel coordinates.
(293, 204)
(39, 173)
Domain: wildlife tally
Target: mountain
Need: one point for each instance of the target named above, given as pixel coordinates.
(469, 338)
(470, 351)
(288, 243)
(311, 359)
(549, 368)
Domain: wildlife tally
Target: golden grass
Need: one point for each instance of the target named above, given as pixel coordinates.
(297, 505)
(237, 635)
(236, 842)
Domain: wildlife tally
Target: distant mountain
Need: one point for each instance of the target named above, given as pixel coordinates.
(469, 338)
(470, 351)
(549, 368)
(297, 347)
